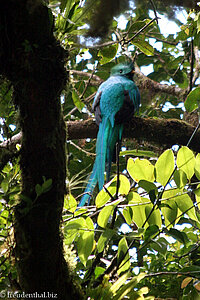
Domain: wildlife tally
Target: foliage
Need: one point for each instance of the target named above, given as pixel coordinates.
(156, 228)
(144, 242)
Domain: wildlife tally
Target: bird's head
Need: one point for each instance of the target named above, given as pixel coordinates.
(124, 69)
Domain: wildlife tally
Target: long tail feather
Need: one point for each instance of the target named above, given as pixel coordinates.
(101, 148)
(114, 137)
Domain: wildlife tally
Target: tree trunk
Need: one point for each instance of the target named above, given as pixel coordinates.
(33, 61)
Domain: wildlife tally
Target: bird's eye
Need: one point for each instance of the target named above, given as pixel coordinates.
(120, 71)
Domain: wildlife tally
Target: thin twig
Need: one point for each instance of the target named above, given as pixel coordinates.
(154, 10)
(191, 65)
(139, 31)
(81, 149)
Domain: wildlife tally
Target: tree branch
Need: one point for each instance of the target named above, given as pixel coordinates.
(144, 83)
(161, 132)
(82, 73)
(197, 65)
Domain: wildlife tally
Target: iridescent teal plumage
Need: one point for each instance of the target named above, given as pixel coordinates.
(115, 103)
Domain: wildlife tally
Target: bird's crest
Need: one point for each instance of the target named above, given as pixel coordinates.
(122, 69)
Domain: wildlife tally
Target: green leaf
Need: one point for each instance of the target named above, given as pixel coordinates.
(193, 100)
(72, 229)
(103, 197)
(185, 204)
(169, 212)
(66, 4)
(115, 287)
(140, 169)
(160, 246)
(123, 256)
(197, 166)
(164, 167)
(104, 239)
(155, 217)
(136, 152)
(177, 235)
(124, 186)
(138, 210)
(89, 223)
(129, 287)
(180, 178)
(70, 237)
(197, 194)
(38, 190)
(128, 215)
(104, 215)
(98, 271)
(75, 224)
(5, 184)
(47, 184)
(148, 186)
(77, 102)
(186, 161)
(70, 203)
(107, 54)
(85, 245)
(44, 188)
(137, 25)
(151, 231)
(144, 46)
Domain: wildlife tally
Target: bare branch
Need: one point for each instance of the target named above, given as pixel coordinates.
(146, 83)
(197, 65)
(82, 73)
(162, 132)
(11, 143)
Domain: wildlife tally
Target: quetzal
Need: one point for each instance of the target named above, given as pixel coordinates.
(114, 104)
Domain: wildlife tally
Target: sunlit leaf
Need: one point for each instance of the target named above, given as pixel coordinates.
(193, 100)
(77, 102)
(136, 152)
(140, 169)
(186, 205)
(122, 279)
(180, 178)
(164, 167)
(104, 215)
(129, 287)
(85, 245)
(144, 46)
(103, 196)
(123, 256)
(108, 53)
(153, 216)
(186, 161)
(70, 203)
(197, 166)
(138, 208)
(104, 239)
(77, 224)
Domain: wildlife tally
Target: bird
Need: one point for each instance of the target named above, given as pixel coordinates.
(116, 101)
